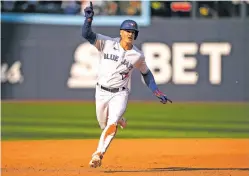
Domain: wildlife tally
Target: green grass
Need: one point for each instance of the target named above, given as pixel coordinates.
(51, 120)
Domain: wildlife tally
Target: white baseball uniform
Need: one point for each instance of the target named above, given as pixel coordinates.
(115, 69)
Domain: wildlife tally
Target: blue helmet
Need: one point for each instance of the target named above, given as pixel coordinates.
(130, 25)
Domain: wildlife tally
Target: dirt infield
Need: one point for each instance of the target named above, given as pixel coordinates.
(169, 157)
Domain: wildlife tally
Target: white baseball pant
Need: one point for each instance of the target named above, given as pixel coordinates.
(110, 107)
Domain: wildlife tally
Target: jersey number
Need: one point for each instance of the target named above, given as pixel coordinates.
(124, 75)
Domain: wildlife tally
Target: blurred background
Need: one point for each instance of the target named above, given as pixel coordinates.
(197, 51)
(204, 9)
(72, 7)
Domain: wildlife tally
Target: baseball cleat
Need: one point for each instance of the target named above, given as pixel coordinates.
(96, 160)
(122, 122)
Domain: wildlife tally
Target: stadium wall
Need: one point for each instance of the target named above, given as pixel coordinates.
(192, 60)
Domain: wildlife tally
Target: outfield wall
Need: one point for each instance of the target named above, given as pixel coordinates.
(192, 60)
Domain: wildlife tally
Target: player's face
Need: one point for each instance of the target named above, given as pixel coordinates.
(127, 35)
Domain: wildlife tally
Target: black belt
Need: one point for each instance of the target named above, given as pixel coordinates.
(113, 90)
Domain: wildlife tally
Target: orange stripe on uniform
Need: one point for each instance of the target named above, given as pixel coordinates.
(112, 129)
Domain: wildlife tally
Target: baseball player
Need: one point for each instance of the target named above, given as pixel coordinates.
(119, 57)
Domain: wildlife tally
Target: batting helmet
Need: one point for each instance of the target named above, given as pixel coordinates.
(130, 25)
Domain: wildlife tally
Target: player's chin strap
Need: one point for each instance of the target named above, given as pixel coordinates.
(150, 81)
(87, 32)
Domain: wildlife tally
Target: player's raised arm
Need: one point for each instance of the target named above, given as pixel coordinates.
(150, 81)
(87, 32)
(98, 40)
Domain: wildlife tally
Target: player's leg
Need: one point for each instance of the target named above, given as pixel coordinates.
(101, 104)
(116, 108)
(122, 122)
(102, 98)
(102, 112)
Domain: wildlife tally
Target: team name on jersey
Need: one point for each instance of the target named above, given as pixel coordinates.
(127, 64)
(111, 57)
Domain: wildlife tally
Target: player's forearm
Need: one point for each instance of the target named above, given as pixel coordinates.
(87, 32)
(150, 81)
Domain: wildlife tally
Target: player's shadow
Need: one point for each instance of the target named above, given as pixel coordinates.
(168, 169)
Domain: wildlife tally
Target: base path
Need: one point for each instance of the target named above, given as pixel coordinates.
(169, 157)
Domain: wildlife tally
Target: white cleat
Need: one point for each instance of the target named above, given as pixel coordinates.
(96, 160)
(122, 122)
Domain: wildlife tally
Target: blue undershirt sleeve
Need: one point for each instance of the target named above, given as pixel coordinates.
(87, 32)
(150, 81)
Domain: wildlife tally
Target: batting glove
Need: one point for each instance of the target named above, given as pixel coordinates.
(163, 98)
(89, 13)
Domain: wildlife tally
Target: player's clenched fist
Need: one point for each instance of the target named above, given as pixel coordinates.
(89, 13)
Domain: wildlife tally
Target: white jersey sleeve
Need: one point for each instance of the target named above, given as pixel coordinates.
(141, 65)
(100, 41)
